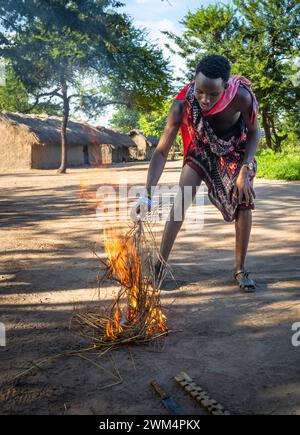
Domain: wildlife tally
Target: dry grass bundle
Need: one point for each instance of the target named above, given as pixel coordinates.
(136, 315)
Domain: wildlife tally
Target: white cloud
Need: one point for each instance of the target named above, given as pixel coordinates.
(165, 24)
(155, 28)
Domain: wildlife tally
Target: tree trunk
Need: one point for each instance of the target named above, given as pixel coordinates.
(278, 139)
(266, 127)
(64, 143)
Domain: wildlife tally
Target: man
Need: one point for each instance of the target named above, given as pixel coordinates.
(217, 116)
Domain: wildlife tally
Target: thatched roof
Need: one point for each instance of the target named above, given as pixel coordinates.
(44, 129)
(118, 138)
(153, 140)
(135, 131)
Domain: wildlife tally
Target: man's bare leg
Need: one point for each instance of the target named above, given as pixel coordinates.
(188, 177)
(243, 224)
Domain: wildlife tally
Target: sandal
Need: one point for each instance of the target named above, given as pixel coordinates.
(245, 283)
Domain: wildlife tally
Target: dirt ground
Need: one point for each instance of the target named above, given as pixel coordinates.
(237, 346)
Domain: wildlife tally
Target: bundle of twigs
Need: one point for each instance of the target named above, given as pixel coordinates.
(136, 315)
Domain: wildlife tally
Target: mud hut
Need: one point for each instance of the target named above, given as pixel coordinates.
(174, 151)
(145, 148)
(153, 140)
(34, 141)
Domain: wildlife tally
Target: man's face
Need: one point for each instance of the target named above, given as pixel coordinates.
(208, 91)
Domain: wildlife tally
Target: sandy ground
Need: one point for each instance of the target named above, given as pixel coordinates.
(236, 346)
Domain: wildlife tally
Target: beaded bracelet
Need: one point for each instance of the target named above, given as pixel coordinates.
(146, 200)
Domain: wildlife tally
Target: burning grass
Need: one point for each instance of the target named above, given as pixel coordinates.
(136, 315)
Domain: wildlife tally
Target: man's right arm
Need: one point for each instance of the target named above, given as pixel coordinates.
(160, 154)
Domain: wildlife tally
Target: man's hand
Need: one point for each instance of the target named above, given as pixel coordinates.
(243, 188)
(140, 209)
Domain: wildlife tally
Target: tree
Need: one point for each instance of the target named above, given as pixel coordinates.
(14, 96)
(261, 40)
(153, 123)
(270, 31)
(86, 52)
(125, 119)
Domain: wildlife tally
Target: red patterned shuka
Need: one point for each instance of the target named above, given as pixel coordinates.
(216, 160)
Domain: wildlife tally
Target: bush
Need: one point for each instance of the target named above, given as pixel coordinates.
(278, 166)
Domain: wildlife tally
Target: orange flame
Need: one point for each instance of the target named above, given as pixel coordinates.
(87, 197)
(125, 265)
(113, 328)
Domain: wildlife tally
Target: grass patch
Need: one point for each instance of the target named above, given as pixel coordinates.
(278, 166)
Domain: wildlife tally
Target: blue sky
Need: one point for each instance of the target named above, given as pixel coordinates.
(157, 15)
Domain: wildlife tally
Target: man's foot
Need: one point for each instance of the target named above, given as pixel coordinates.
(245, 283)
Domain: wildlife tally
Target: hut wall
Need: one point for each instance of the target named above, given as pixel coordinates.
(125, 155)
(100, 155)
(45, 157)
(107, 154)
(49, 156)
(149, 153)
(133, 152)
(142, 146)
(15, 150)
(76, 155)
(120, 154)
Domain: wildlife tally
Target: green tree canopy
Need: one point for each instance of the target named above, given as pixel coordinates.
(14, 96)
(125, 119)
(86, 52)
(261, 40)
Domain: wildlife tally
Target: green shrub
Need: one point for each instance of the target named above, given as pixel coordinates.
(278, 166)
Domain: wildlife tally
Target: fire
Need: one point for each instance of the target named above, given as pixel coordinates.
(102, 205)
(111, 327)
(87, 197)
(138, 303)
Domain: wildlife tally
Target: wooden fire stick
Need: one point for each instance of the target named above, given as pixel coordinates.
(200, 395)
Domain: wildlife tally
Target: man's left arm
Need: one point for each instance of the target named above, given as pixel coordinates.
(243, 186)
(253, 135)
